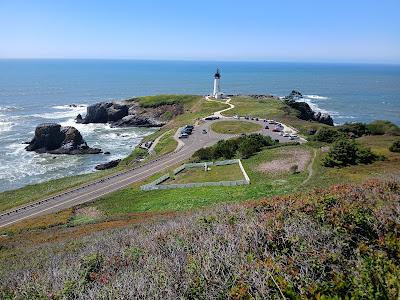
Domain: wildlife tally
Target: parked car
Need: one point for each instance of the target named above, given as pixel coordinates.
(189, 126)
(186, 130)
(286, 135)
(256, 119)
(204, 131)
(210, 118)
(266, 127)
(183, 136)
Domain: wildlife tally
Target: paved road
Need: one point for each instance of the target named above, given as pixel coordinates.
(92, 191)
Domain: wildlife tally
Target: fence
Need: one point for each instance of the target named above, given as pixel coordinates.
(157, 184)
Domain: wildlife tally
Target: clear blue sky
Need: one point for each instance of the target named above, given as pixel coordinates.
(284, 30)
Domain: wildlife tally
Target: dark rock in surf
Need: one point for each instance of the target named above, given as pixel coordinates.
(108, 165)
(54, 139)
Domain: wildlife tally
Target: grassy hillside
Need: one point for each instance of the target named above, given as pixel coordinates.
(339, 242)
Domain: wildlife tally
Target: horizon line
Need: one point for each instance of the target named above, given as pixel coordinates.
(206, 60)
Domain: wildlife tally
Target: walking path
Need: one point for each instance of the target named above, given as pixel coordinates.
(310, 168)
(155, 142)
(218, 113)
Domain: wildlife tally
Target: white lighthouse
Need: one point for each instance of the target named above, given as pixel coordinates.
(217, 90)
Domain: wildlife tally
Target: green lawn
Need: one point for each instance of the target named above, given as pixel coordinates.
(263, 108)
(133, 200)
(216, 173)
(166, 144)
(158, 100)
(235, 127)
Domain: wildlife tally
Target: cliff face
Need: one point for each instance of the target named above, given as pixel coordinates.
(55, 139)
(129, 114)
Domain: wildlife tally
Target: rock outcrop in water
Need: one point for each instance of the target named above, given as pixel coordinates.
(108, 165)
(305, 111)
(55, 139)
(130, 114)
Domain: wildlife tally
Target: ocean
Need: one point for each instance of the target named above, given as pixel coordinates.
(38, 91)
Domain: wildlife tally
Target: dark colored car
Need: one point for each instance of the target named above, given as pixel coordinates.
(266, 127)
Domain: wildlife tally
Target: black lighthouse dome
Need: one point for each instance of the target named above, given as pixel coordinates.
(217, 74)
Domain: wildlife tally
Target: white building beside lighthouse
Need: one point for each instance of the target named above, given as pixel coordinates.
(217, 89)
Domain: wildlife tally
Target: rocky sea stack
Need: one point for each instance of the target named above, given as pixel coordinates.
(55, 139)
(306, 113)
(121, 115)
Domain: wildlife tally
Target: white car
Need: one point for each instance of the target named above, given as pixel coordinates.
(286, 135)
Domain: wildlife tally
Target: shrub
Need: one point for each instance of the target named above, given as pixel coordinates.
(357, 129)
(395, 147)
(245, 146)
(166, 116)
(328, 135)
(346, 152)
(381, 127)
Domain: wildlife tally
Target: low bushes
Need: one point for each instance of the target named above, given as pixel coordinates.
(355, 130)
(336, 243)
(395, 147)
(244, 147)
(346, 152)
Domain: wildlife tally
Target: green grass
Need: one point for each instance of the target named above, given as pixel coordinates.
(166, 144)
(133, 200)
(246, 106)
(270, 108)
(235, 127)
(324, 176)
(216, 173)
(29, 193)
(158, 100)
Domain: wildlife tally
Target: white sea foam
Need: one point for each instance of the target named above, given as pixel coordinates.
(8, 108)
(316, 97)
(63, 112)
(5, 126)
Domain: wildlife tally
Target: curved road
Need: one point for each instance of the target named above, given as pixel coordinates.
(94, 190)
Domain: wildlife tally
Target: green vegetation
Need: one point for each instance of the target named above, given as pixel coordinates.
(214, 174)
(235, 127)
(395, 147)
(346, 152)
(244, 147)
(158, 100)
(166, 144)
(30, 193)
(355, 130)
(328, 135)
(271, 108)
(345, 237)
(380, 127)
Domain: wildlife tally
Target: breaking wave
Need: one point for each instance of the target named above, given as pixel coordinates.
(63, 112)
(316, 97)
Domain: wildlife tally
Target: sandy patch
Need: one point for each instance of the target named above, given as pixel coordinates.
(291, 157)
(90, 211)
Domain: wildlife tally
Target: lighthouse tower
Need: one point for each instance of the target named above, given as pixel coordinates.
(217, 90)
